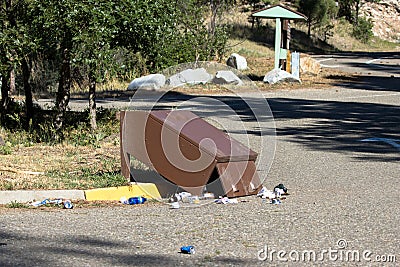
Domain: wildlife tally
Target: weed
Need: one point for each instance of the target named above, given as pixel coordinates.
(16, 205)
(207, 258)
(6, 149)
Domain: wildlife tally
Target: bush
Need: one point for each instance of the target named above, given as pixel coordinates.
(362, 30)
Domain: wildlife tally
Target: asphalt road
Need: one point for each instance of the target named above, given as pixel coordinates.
(338, 152)
(381, 64)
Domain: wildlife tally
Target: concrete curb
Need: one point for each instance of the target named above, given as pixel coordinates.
(23, 196)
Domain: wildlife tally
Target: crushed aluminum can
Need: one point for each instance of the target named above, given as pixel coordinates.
(278, 192)
(175, 205)
(262, 191)
(68, 204)
(123, 200)
(226, 200)
(275, 201)
(188, 250)
(194, 200)
(281, 187)
(208, 196)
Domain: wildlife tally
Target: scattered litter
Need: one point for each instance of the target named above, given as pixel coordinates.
(68, 204)
(183, 196)
(175, 205)
(123, 200)
(40, 203)
(278, 192)
(276, 201)
(194, 200)
(275, 196)
(208, 196)
(132, 200)
(265, 193)
(226, 200)
(188, 250)
(136, 200)
(281, 187)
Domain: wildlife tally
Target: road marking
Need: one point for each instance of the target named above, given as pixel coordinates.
(392, 142)
(326, 59)
(327, 66)
(372, 60)
(369, 62)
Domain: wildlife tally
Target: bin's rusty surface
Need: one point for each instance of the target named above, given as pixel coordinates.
(188, 151)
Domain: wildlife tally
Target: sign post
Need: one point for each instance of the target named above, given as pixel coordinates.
(280, 13)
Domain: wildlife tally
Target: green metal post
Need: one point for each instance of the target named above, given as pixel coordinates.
(278, 36)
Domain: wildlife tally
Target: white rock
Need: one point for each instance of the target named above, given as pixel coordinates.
(190, 76)
(226, 77)
(149, 82)
(278, 75)
(237, 61)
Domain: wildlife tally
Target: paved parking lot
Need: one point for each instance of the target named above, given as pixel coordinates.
(338, 152)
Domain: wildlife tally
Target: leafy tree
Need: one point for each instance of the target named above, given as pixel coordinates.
(349, 9)
(8, 50)
(363, 29)
(16, 47)
(59, 23)
(97, 38)
(92, 51)
(216, 7)
(317, 11)
(166, 32)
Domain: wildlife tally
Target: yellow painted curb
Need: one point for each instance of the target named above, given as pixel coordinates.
(147, 190)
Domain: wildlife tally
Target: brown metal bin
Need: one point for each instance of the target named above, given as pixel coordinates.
(188, 151)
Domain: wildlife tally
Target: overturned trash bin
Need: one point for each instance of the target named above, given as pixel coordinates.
(188, 152)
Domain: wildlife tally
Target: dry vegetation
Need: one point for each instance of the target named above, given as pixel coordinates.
(60, 166)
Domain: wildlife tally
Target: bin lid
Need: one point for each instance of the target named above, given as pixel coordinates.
(202, 134)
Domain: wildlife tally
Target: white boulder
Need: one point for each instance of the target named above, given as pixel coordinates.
(227, 77)
(149, 82)
(237, 61)
(190, 76)
(278, 75)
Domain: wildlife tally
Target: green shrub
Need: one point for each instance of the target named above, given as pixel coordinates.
(362, 30)
(6, 149)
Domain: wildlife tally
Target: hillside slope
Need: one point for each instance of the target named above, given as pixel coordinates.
(386, 19)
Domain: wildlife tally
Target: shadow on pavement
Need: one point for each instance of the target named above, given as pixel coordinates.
(80, 250)
(323, 124)
(340, 126)
(376, 83)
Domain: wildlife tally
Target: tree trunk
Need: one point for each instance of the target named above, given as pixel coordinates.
(13, 23)
(64, 85)
(12, 82)
(357, 3)
(26, 74)
(92, 101)
(214, 9)
(5, 91)
(309, 28)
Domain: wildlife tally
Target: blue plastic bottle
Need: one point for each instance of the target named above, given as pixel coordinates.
(136, 200)
(188, 250)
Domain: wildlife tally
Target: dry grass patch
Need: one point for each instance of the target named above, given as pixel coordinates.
(61, 166)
